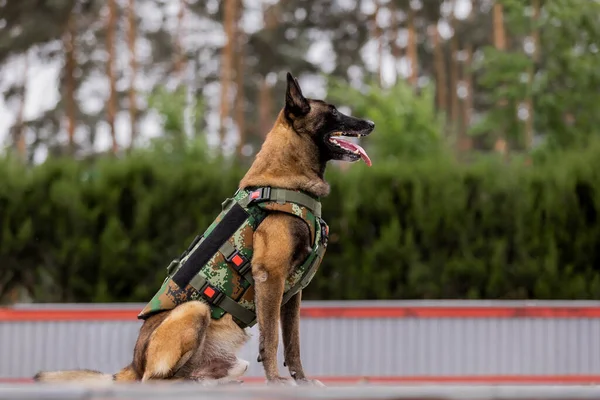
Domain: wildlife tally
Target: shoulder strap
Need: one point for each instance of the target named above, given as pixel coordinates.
(302, 199)
(282, 196)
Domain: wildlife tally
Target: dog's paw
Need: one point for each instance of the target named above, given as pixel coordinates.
(281, 381)
(309, 382)
(239, 369)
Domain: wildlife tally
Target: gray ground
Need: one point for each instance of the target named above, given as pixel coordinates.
(256, 391)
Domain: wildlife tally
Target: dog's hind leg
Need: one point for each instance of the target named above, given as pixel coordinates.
(175, 339)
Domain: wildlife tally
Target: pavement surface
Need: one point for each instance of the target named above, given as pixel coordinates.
(189, 391)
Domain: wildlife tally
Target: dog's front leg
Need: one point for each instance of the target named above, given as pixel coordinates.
(270, 264)
(290, 328)
(269, 291)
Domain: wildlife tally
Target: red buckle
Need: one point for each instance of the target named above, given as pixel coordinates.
(237, 260)
(209, 292)
(241, 263)
(260, 194)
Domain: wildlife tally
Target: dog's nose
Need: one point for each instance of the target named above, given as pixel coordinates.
(371, 124)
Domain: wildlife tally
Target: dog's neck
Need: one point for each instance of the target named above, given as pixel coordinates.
(288, 160)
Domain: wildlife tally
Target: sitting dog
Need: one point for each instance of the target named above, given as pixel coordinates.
(251, 264)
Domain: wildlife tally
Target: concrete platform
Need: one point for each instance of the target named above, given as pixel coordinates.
(160, 391)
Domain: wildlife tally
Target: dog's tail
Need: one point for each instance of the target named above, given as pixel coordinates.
(86, 376)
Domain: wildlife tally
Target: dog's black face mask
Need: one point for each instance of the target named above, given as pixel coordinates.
(325, 125)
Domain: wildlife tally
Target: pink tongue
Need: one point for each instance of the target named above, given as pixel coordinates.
(353, 147)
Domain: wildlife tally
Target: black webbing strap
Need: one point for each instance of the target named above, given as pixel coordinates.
(218, 298)
(210, 244)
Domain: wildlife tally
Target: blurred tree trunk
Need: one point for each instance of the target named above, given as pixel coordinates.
(179, 54)
(467, 103)
(440, 70)
(500, 44)
(133, 71)
(454, 102)
(394, 47)
(271, 15)
(378, 33)
(529, 127)
(227, 62)
(19, 126)
(240, 42)
(499, 34)
(110, 45)
(412, 47)
(467, 79)
(70, 65)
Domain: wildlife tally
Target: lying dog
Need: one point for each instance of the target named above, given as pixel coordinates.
(251, 264)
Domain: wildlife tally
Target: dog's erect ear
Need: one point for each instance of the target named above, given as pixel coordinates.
(295, 102)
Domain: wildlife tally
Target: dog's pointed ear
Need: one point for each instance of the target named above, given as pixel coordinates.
(295, 102)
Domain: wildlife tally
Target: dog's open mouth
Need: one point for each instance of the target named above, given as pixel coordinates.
(349, 147)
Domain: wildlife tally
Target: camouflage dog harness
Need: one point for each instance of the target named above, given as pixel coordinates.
(216, 266)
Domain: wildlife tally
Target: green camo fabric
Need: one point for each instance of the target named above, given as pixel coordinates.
(223, 275)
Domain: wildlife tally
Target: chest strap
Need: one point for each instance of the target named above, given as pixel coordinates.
(216, 297)
(240, 263)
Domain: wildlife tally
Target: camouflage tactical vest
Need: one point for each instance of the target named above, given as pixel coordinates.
(216, 266)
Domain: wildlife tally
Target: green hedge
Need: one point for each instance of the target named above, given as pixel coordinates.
(431, 229)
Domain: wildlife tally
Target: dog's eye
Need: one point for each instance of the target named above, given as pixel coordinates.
(334, 112)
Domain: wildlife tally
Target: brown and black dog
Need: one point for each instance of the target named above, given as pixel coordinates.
(185, 343)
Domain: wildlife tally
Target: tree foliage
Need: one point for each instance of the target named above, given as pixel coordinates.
(427, 228)
(565, 76)
(416, 225)
(408, 125)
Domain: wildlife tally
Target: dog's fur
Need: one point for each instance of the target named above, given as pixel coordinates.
(185, 343)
